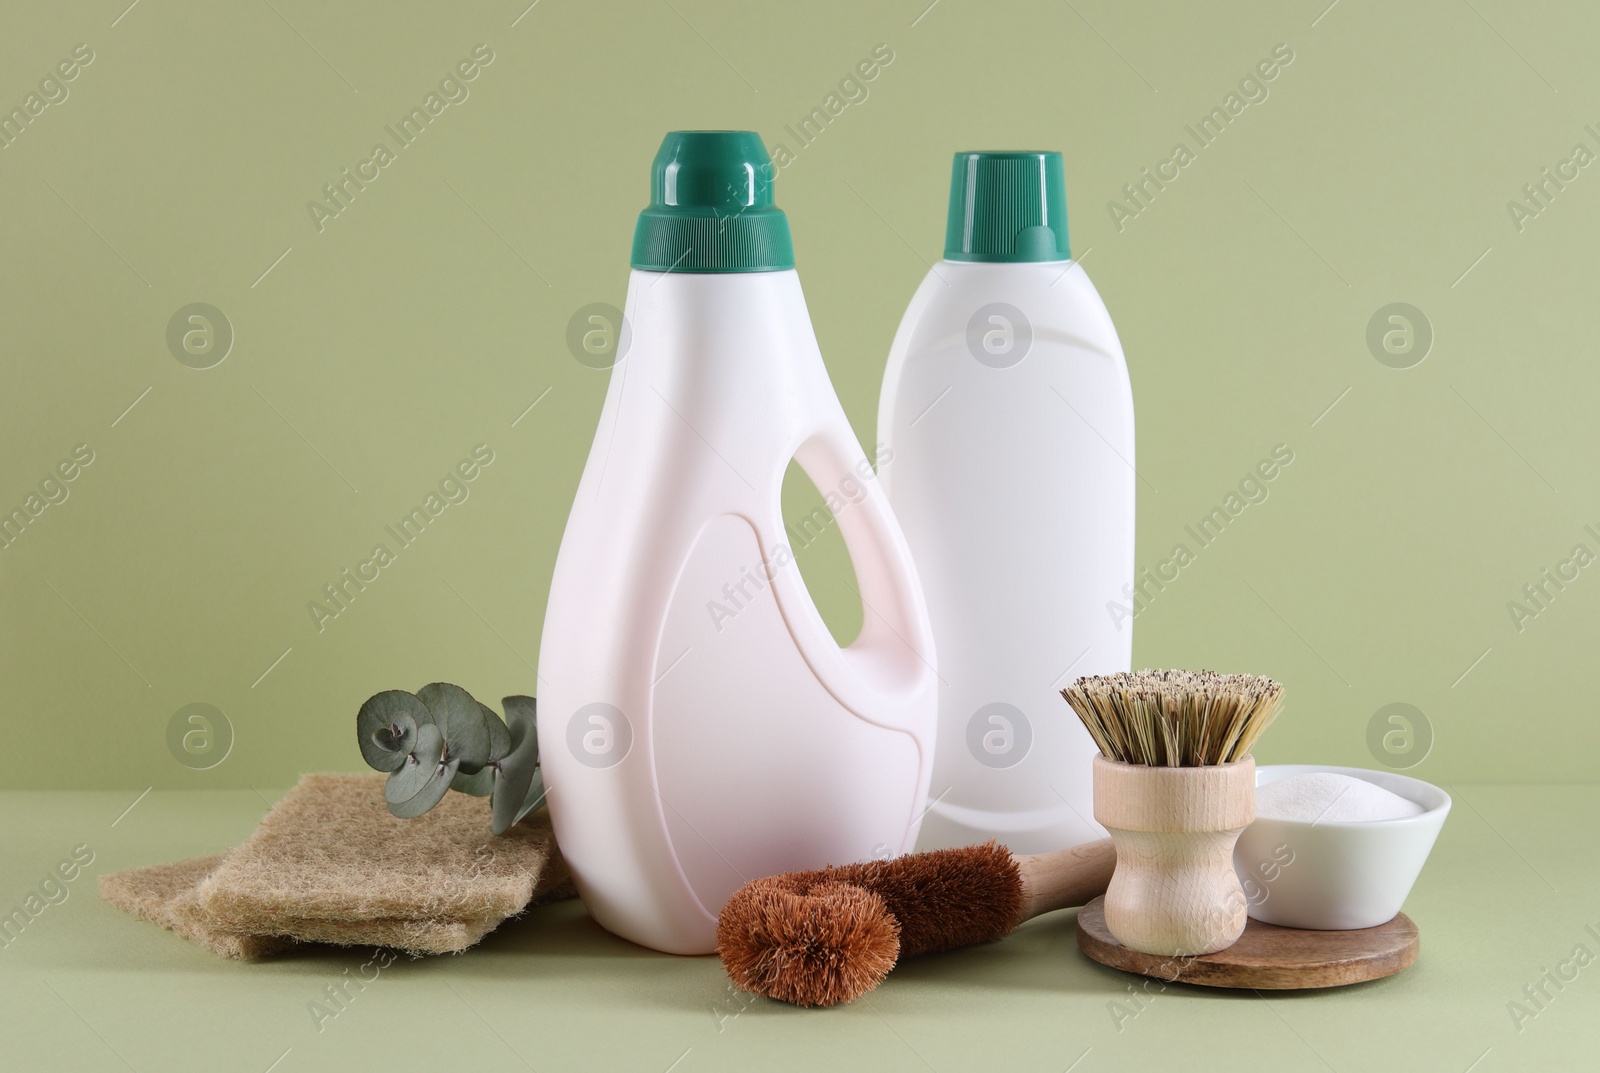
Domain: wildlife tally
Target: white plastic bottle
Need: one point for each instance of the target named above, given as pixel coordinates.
(699, 727)
(1009, 415)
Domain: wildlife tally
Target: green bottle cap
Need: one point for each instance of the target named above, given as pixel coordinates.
(711, 207)
(1007, 207)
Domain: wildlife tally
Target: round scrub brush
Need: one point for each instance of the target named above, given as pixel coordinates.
(828, 936)
(1175, 785)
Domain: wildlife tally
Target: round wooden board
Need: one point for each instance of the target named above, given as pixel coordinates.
(1266, 956)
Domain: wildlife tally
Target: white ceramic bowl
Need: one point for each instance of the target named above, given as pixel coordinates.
(1337, 876)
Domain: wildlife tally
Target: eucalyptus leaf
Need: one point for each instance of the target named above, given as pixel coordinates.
(499, 736)
(534, 797)
(416, 769)
(425, 777)
(479, 785)
(399, 737)
(520, 707)
(466, 730)
(431, 794)
(386, 728)
(482, 783)
(520, 766)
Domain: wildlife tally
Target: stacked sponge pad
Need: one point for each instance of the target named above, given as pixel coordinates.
(329, 864)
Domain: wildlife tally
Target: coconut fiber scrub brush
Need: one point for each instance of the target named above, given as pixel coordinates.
(828, 936)
(1175, 785)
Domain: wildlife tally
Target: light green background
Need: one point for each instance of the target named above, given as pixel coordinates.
(432, 313)
(371, 357)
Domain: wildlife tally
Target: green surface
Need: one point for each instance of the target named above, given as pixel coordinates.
(1511, 889)
(193, 160)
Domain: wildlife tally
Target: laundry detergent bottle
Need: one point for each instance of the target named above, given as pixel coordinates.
(1008, 415)
(699, 727)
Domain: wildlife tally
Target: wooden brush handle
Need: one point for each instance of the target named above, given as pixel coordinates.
(1175, 893)
(1066, 877)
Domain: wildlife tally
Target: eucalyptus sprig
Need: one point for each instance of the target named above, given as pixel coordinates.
(440, 739)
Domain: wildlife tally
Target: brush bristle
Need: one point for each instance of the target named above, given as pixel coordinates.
(813, 943)
(1175, 718)
(828, 936)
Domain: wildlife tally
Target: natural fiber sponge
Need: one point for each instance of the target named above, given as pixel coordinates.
(330, 851)
(330, 865)
(164, 894)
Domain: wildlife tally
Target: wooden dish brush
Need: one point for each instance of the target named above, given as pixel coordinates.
(827, 936)
(1175, 785)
